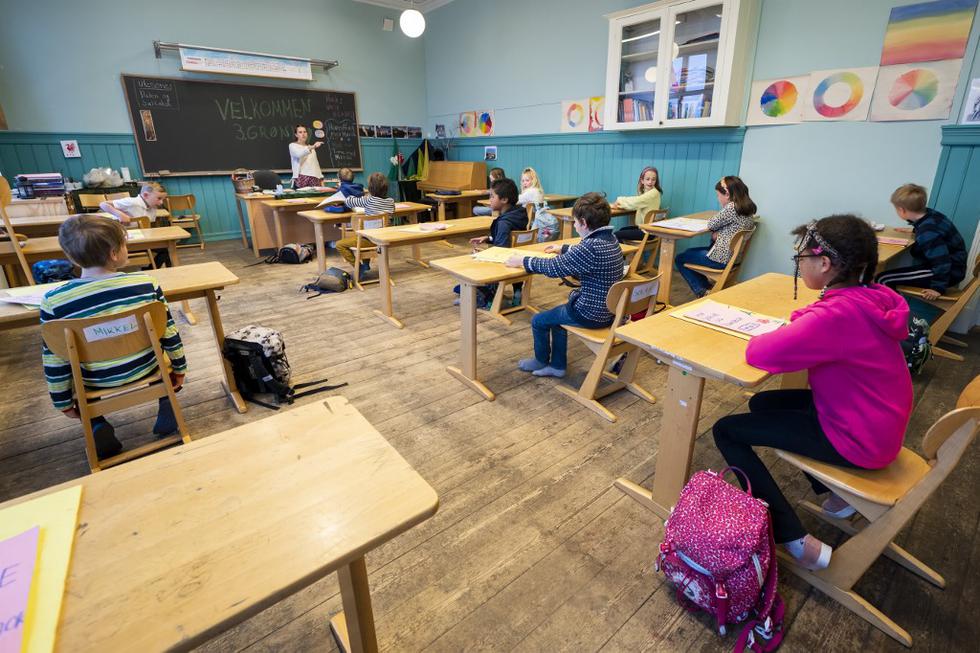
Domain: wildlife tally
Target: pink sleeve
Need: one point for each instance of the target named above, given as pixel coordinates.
(803, 343)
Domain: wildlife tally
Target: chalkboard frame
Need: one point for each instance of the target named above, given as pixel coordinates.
(203, 173)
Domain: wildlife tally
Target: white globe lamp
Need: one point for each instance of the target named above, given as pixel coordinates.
(412, 23)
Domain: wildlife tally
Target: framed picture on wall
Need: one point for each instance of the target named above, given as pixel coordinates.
(971, 107)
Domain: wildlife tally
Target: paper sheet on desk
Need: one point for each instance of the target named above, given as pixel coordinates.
(729, 319)
(336, 198)
(501, 254)
(30, 296)
(683, 224)
(426, 227)
(400, 205)
(891, 240)
(134, 234)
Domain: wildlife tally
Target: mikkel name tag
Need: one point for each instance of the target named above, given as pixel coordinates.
(111, 329)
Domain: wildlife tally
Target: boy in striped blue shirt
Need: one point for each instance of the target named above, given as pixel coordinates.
(597, 261)
(98, 246)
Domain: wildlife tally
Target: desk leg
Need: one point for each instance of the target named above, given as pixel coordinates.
(464, 209)
(354, 626)
(466, 372)
(682, 409)
(241, 222)
(666, 269)
(175, 260)
(321, 248)
(219, 338)
(566, 229)
(278, 220)
(386, 313)
(441, 215)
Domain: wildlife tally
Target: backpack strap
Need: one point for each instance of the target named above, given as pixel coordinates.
(299, 386)
(764, 632)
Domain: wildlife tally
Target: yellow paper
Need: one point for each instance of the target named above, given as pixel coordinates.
(501, 254)
(57, 515)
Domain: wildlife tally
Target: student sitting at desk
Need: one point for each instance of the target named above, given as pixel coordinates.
(98, 247)
(347, 186)
(597, 261)
(144, 205)
(376, 202)
(494, 175)
(647, 198)
(511, 217)
(849, 341)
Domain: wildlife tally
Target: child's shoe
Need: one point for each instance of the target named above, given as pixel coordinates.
(166, 423)
(548, 370)
(809, 552)
(530, 365)
(106, 444)
(834, 506)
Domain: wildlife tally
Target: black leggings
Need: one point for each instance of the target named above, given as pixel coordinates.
(781, 419)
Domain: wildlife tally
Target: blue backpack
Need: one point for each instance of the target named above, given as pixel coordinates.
(52, 270)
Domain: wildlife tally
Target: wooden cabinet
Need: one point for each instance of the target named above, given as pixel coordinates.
(679, 63)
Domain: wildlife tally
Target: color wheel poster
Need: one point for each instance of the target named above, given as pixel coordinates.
(840, 94)
(916, 91)
(575, 116)
(777, 101)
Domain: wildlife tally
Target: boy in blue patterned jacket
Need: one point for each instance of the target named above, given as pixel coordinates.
(939, 251)
(597, 261)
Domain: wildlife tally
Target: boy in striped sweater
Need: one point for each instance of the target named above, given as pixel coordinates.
(98, 246)
(376, 202)
(597, 261)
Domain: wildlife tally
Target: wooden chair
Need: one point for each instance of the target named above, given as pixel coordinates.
(728, 275)
(364, 249)
(10, 239)
(952, 303)
(129, 332)
(497, 310)
(188, 218)
(624, 298)
(90, 202)
(649, 246)
(116, 196)
(886, 499)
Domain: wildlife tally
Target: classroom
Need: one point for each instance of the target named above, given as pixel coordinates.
(452, 325)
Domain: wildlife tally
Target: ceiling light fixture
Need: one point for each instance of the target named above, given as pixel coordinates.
(412, 23)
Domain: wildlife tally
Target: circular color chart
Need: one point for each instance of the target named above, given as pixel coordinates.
(575, 115)
(779, 98)
(467, 124)
(854, 99)
(914, 89)
(485, 123)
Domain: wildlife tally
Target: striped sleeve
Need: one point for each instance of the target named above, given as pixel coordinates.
(170, 341)
(572, 262)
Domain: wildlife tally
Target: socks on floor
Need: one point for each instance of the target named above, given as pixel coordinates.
(530, 365)
(548, 370)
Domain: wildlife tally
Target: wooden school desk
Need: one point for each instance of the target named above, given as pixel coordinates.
(174, 548)
(695, 353)
(390, 237)
(320, 218)
(471, 273)
(887, 251)
(179, 284)
(463, 202)
(262, 219)
(567, 222)
(668, 238)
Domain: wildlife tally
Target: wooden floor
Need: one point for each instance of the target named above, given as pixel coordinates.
(532, 549)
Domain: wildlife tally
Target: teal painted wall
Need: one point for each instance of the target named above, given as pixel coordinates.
(61, 61)
(26, 152)
(810, 170)
(956, 191)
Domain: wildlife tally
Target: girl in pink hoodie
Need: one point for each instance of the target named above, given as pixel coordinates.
(849, 341)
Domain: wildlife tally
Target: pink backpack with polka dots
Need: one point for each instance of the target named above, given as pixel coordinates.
(719, 554)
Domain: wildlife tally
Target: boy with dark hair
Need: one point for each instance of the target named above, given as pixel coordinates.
(939, 250)
(98, 246)
(495, 174)
(597, 261)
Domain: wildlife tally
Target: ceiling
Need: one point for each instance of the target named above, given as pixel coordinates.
(421, 5)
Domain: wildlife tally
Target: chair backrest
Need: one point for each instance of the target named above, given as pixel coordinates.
(654, 215)
(91, 200)
(970, 395)
(9, 233)
(938, 328)
(6, 195)
(648, 246)
(104, 337)
(362, 221)
(631, 296)
(176, 203)
(266, 179)
(739, 246)
(116, 196)
(518, 238)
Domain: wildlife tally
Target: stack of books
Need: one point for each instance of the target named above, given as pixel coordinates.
(48, 184)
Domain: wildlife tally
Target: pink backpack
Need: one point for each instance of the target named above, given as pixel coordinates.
(719, 554)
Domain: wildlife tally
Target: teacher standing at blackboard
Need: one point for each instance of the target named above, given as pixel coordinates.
(306, 167)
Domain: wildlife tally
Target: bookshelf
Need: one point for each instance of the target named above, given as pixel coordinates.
(679, 63)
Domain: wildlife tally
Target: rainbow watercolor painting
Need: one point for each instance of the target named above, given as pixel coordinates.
(777, 101)
(840, 94)
(915, 91)
(928, 31)
(484, 123)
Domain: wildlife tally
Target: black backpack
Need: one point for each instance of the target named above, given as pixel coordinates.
(291, 253)
(258, 360)
(916, 347)
(331, 281)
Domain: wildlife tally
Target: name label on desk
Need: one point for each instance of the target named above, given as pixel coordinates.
(111, 329)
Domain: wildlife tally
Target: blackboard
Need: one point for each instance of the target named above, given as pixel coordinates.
(202, 127)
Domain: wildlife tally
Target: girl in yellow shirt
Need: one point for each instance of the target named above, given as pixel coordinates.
(646, 199)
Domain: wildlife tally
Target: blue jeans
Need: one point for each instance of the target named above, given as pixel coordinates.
(482, 210)
(550, 340)
(698, 256)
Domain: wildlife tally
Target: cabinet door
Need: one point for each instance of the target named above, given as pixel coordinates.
(698, 74)
(632, 85)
